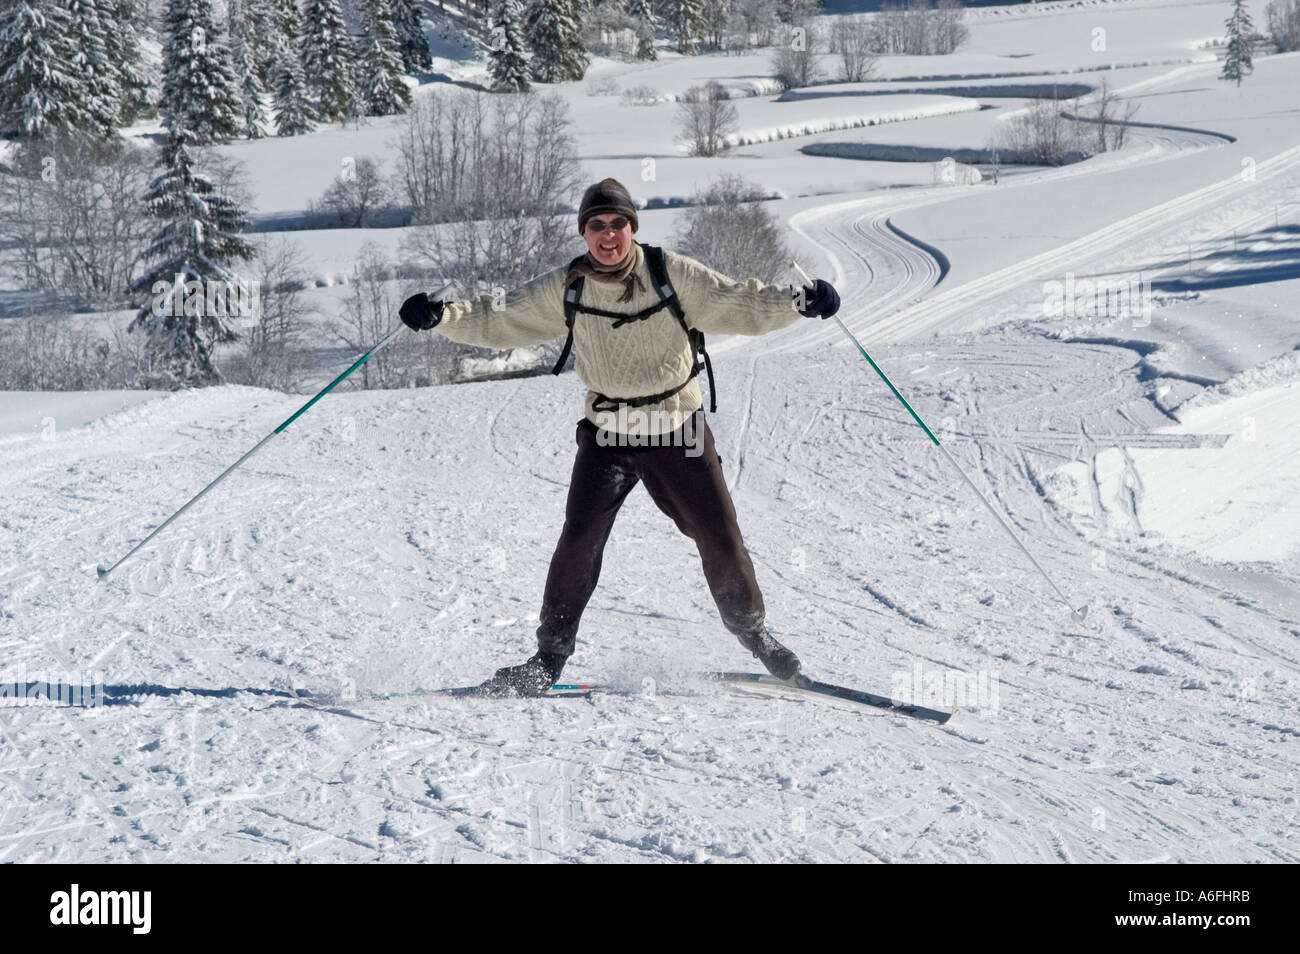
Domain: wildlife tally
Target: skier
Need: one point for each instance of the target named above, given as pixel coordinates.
(637, 313)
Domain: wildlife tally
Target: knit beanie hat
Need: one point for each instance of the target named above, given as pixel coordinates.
(607, 195)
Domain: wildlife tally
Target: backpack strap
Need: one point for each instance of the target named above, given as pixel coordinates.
(658, 263)
(571, 296)
(654, 257)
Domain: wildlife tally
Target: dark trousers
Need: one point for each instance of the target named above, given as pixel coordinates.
(683, 475)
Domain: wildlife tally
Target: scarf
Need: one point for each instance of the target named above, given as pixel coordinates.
(626, 272)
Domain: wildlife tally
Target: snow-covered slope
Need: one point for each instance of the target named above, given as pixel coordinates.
(394, 540)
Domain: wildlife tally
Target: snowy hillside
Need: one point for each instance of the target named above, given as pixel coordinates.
(392, 540)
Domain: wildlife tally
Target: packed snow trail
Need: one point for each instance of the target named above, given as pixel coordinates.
(890, 274)
(401, 540)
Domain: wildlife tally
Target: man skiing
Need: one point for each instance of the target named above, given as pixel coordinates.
(637, 314)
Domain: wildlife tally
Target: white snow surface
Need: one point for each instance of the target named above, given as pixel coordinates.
(390, 540)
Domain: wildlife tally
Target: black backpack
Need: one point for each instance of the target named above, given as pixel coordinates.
(654, 256)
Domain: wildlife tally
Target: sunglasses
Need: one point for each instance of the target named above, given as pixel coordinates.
(600, 225)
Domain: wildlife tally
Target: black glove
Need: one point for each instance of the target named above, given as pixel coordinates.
(419, 313)
(820, 300)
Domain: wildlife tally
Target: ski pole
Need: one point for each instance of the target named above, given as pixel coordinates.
(103, 573)
(1079, 612)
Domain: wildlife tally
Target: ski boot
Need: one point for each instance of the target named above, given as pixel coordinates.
(780, 662)
(530, 678)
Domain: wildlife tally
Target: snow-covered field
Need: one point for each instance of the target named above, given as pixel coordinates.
(393, 540)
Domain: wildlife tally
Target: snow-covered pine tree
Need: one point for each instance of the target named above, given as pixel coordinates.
(379, 63)
(263, 26)
(288, 20)
(243, 42)
(1237, 58)
(412, 42)
(508, 61)
(93, 67)
(198, 92)
(197, 239)
(576, 58)
(555, 38)
(38, 90)
(327, 59)
(641, 14)
(293, 110)
(122, 40)
(685, 22)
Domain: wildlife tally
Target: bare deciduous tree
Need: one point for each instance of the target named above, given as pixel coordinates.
(918, 30)
(753, 22)
(273, 350)
(495, 180)
(716, 14)
(369, 312)
(850, 39)
(1112, 115)
(1039, 134)
(728, 229)
(947, 31)
(1284, 24)
(705, 118)
(72, 212)
(228, 175)
(356, 195)
(794, 62)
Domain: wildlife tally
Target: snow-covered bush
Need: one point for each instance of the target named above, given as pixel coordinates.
(56, 352)
(948, 171)
(642, 96)
(606, 85)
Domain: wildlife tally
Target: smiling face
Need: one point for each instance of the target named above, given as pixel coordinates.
(610, 245)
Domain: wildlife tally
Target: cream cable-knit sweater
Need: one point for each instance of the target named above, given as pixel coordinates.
(637, 358)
